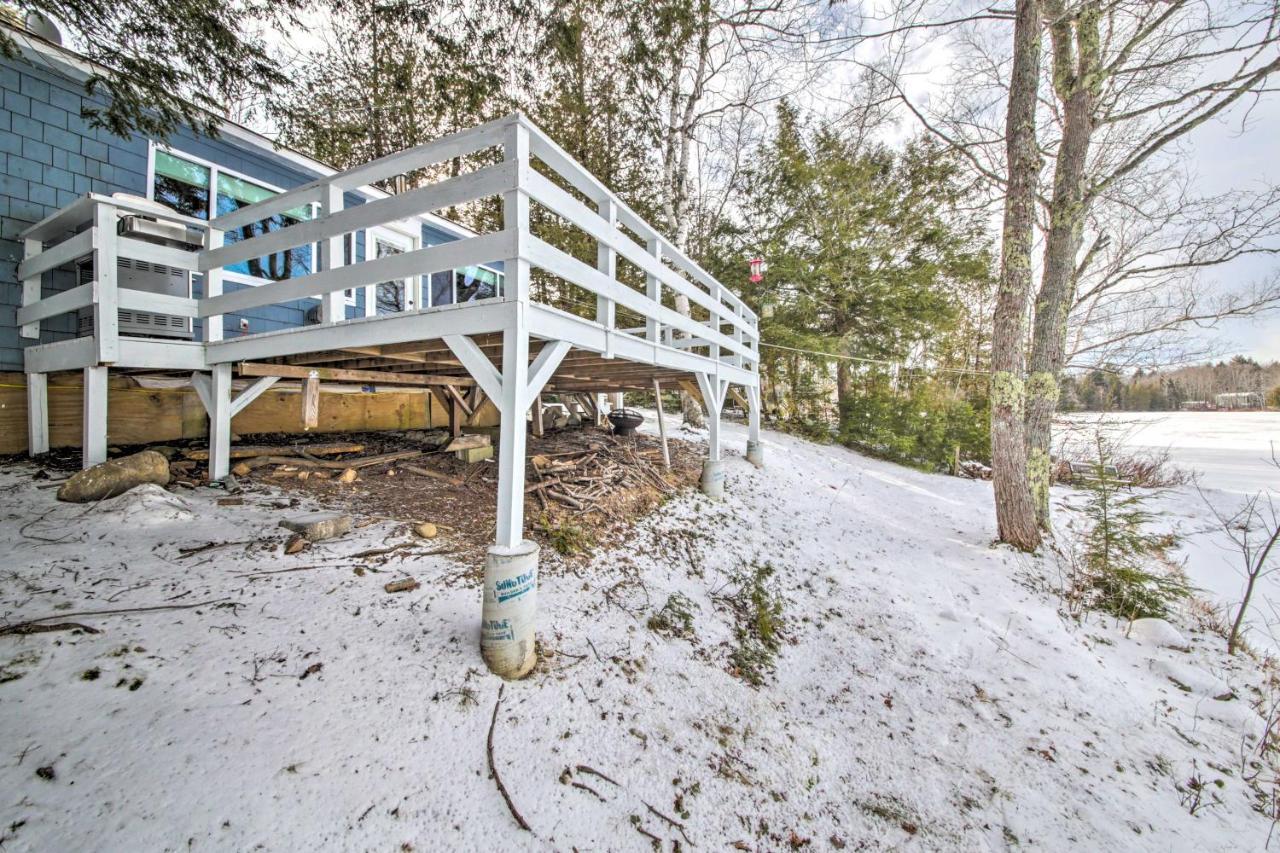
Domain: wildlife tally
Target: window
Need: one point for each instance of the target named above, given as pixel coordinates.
(475, 283)
(203, 190)
(235, 193)
(182, 185)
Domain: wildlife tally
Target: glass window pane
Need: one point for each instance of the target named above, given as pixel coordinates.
(442, 288)
(476, 283)
(179, 169)
(291, 263)
(181, 185)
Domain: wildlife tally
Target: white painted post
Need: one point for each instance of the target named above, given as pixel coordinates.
(713, 320)
(213, 286)
(755, 452)
(220, 422)
(332, 305)
(37, 414)
(106, 303)
(662, 424)
(653, 289)
(738, 334)
(31, 287)
(713, 390)
(509, 609)
(607, 263)
(93, 443)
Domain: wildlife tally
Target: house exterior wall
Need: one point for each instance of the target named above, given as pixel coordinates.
(50, 156)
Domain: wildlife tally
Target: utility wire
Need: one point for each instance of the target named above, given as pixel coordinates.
(884, 362)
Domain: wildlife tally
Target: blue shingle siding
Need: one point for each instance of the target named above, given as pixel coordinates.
(49, 156)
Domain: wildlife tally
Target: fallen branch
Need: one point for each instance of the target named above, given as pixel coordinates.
(18, 627)
(438, 475)
(249, 452)
(44, 629)
(334, 464)
(672, 821)
(582, 768)
(493, 770)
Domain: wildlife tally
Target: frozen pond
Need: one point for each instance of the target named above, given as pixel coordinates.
(1229, 450)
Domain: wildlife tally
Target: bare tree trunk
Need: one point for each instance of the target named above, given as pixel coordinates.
(1076, 81)
(1015, 512)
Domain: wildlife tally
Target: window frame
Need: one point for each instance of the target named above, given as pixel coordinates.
(214, 170)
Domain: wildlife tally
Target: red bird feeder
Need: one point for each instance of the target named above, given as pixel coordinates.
(757, 270)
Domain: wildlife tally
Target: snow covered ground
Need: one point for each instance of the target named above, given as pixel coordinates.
(1229, 453)
(928, 694)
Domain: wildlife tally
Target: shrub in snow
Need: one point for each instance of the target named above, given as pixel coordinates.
(1122, 574)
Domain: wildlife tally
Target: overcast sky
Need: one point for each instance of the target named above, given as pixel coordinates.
(1223, 156)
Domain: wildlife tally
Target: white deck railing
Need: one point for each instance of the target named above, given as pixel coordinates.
(729, 333)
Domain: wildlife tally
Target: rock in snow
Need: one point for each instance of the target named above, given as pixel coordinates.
(318, 525)
(115, 477)
(1156, 632)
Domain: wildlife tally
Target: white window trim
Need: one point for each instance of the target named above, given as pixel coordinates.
(214, 170)
(403, 232)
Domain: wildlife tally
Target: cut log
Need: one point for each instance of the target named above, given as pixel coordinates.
(332, 448)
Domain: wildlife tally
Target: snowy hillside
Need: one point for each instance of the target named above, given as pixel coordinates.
(926, 695)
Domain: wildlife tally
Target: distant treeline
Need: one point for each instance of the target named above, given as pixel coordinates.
(1169, 390)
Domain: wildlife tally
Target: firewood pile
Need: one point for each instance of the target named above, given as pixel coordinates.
(582, 479)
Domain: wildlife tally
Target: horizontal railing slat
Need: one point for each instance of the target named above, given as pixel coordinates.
(55, 256)
(460, 253)
(445, 148)
(267, 208)
(545, 256)
(555, 157)
(160, 303)
(559, 201)
(458, 190)
(59, 303)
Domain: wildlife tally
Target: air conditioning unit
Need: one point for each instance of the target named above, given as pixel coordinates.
(152, 278)
(149, 277)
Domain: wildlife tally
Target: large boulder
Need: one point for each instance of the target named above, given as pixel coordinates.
(115, 477)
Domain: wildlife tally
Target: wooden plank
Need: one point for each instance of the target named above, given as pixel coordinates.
(335, 374)
(146, 415)
(446, 256)
(560, 202)
(55, 256)
(311, 402)
(60, 303)
(453, 191)
(248, 451)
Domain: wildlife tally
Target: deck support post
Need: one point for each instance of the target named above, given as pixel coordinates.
(713, 390)
(662, 424)
(37, 414)
(332, 305)
(219, 405)
(755, 452)
(93, 444)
